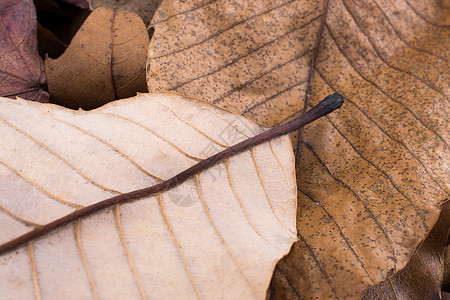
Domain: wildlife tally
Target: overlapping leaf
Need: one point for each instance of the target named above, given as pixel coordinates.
(104, 62)
(217, 235)
(423, 276)
(372, 176)
(21, 69)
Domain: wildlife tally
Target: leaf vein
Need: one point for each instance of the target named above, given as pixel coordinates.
(197, 179)
(243, 207)
(106, 143)
(221, 31)
(341, 232)
(385, 132)
(237, 59)
(319, 265)
(83, 259)
(154, 133)
(255, 78)
(367, 209)
(382, 91)
(369, 39)
(76, 205)
(37, 291)
(127, 252)
(177, 245)
(59, 157)
(22, 220)
(267, 193)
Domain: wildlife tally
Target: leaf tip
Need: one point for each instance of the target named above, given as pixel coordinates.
(333, 101)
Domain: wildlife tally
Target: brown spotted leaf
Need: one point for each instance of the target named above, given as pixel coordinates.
(423, 275)
(371, 177)
(144, 8)
(105, 61)
(21, 68)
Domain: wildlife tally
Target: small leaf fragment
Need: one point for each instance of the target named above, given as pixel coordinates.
(21, 69)
(144, 8)
(423, 275)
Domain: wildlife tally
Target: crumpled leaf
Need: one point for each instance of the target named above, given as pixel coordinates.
(423, 276)
(371, 176)
(21, 69)
(105, 61)
(217, 235)
(144, 8)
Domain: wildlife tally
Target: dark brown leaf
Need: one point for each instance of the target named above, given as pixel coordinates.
(21, 68)
(49, 44)
(105, 61)
(60, 18)
(422, 277)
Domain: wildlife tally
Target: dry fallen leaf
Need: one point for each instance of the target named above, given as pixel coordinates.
(217, 235)
(144, 8)
(371, 176)
(251, 58)
(105, 61)
(21, 68)
(423, 276)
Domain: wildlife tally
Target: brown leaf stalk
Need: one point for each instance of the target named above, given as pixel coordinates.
(326, 106)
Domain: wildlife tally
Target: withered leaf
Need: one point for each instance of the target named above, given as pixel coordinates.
(423, 275)
(105, 61)
(217, 235)
(21, 69)
(372, 176)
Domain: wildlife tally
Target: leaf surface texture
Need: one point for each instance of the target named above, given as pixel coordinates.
(371, 176)
(217, 235)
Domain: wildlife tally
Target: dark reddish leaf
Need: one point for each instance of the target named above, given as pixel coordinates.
(422, 277)
(21, 68)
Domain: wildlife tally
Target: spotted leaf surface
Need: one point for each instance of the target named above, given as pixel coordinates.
(372, 175)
